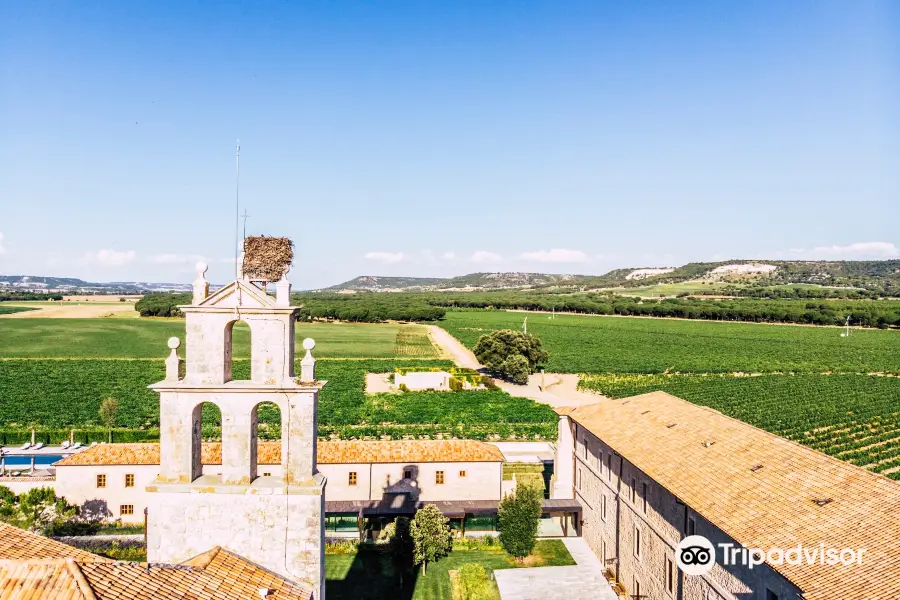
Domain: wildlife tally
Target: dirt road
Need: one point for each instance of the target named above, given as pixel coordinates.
(555, 389)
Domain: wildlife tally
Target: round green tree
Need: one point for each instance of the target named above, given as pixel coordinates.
(431, 536)
(511, 354)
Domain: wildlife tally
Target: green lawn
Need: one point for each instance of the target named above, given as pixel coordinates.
(668, 289)
(594, 344)
(371, 575)
(146, 338)
(8, 310)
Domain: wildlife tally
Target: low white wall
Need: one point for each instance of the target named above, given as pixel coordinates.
(20, 485)
(427, 380)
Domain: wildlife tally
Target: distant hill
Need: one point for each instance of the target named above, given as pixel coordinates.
(69, 285)
(473, 281)
(869, 274)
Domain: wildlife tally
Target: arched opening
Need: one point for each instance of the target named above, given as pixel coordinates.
(265, 444)
(207, 431)
(238, 341)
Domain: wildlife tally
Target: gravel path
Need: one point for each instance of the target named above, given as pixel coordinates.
(555, 389)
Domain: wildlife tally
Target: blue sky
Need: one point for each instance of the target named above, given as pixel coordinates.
(436, 139)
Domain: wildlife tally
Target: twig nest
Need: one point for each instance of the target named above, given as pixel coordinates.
(266, 258)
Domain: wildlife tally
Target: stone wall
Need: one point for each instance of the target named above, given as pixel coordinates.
(280, 531)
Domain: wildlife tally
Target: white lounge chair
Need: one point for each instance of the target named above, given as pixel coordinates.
(38, 446)
(76, 446)
(25, 446)
(65, 445)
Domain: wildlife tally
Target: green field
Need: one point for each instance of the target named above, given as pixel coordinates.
(594, 344)
(146, 338)
(55, 372)
(8, 310)
(811, 385)
(668, 289)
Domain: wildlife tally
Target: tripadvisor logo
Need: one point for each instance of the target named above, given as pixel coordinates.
(696, 555)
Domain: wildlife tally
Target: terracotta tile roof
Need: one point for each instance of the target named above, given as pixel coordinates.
(43, 580)
(771, 507)
(412, 451)
(18, 544)
(269, 453)
(215, 575)
(34, 567)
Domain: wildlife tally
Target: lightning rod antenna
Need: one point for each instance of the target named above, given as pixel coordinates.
(237, 214)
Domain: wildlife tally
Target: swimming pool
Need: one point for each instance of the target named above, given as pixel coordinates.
(41, 460)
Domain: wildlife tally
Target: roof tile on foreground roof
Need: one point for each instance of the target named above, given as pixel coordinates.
(399, 451)
(770, 507)
(17, 544)
(38, 568)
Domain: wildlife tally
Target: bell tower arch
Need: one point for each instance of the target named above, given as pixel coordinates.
(276, 521)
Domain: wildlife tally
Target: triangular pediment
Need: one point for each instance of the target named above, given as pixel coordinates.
(240, 293)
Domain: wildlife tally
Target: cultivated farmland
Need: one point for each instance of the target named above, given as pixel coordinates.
(839, 395)
(592, 344)
(53, 378)
(146, 338)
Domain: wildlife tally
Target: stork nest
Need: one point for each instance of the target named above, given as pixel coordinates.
(267, 258)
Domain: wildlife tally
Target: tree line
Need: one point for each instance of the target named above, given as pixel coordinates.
(376, 307)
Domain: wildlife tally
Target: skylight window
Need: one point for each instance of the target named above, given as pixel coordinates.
(823, 501)
(756, 468)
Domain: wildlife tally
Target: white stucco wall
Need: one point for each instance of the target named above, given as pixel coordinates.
(483, 481)
(78, 485)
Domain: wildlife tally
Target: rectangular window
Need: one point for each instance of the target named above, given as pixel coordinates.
(603, 552)
(670, 576)
(584, 447)
(439, 477)
(603, 507)
(637, 542)
(637, 589)
(578, 483)
(600, 462)
(101, 481)
(462, 473)
(644, 496)
(692, 526)
(126, 509)
(609, 467)
(129, 480)
(770, 595)
(267, 474)
(352, 478)
(633, 491)
(407, 473)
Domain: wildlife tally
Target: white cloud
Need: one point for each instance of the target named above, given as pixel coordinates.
(448, 256)
(556, 255)
(385, 257)
(483, 256)
(2, 247)
(110, 258)
(859, 250)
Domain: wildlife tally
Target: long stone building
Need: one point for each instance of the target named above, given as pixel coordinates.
(653, 469)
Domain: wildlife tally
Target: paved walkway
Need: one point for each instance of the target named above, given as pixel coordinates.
(555, 389)
(584, 581)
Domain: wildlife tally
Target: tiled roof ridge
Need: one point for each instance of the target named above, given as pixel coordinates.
(202, 560)
(83, 586)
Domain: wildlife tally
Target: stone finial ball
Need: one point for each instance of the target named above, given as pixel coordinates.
(202, 268)
(309, 344)
(174, 342)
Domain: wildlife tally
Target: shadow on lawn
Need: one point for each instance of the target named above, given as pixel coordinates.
(373, 575)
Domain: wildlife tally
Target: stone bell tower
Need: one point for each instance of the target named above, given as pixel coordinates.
(274, 520)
